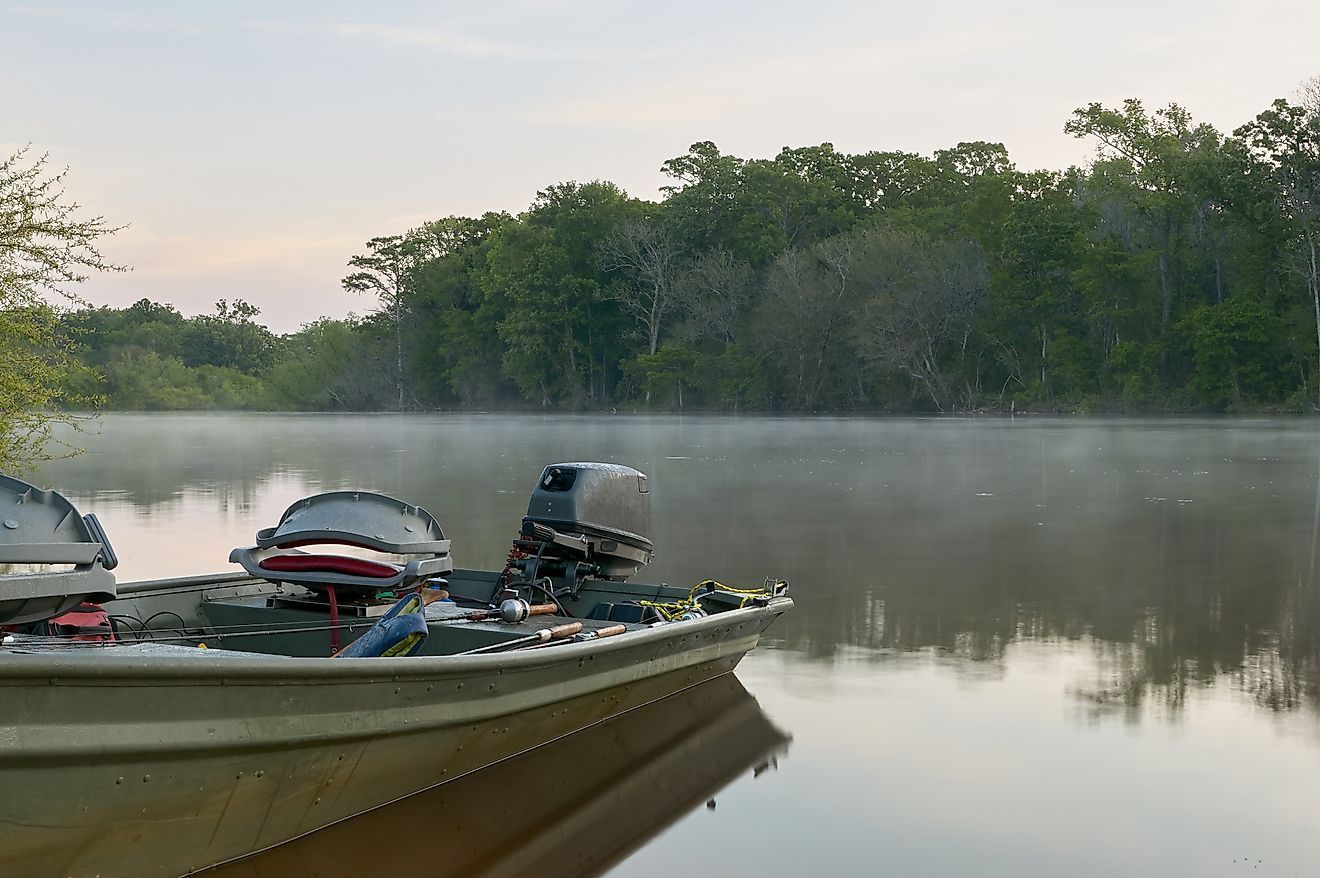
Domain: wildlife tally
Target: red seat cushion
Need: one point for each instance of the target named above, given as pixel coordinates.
(328, 564)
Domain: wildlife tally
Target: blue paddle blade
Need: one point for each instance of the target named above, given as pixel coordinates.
(394, 635)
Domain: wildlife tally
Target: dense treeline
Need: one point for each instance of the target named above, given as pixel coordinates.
(1176, 272)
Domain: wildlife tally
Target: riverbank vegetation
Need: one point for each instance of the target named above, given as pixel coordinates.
(1177, 271)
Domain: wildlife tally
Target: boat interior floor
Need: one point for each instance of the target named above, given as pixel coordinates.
(239, 613)
(294, 627)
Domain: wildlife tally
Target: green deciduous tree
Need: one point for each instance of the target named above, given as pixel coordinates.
(1235, 353)
(45, 248)
(1285, 141)
(544, 275)
(386, 271)
(921, 296)
(713, 294)
(458, 352)
(231, 338)
(646, 261)
(1158, 150)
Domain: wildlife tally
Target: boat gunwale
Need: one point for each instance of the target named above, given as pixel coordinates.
(144, 587)
(102, 662)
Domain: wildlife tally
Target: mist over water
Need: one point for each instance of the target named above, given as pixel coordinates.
(1020, 647)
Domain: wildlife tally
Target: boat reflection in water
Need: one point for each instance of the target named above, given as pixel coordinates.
(572, 807)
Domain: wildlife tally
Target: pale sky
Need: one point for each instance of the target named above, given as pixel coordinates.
(251, 148)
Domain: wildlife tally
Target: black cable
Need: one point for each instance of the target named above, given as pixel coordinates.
(126, 617)
(501, 583)
(548, 593)
(182, 629)
(182, 624)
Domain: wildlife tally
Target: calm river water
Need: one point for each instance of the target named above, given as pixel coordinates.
(1020, 647)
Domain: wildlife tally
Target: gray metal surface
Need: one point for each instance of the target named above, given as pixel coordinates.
(354, 518)
(599, 795)
(62, 559)
(359, 517)
(604, 499)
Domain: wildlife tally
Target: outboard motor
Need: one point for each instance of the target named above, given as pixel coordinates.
(51, 558)
(585, 520)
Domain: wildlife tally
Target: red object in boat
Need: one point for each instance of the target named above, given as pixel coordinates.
(329, 564)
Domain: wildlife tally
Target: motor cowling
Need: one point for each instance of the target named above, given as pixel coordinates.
(595, 513)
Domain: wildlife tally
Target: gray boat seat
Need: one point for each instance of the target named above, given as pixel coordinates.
(60, 558)
(356, 519)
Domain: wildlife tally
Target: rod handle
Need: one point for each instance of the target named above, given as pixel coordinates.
(609, 631)
(559, 632)
(542, 610)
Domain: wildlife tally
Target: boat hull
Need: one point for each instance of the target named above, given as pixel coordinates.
(112, 765)
(571, 808)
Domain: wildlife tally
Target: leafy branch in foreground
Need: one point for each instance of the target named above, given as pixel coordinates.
(44, 247)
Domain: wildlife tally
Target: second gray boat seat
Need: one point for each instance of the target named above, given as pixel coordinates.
(358, 519)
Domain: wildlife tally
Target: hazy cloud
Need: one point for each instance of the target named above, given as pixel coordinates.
(446, 42)
(110, 20)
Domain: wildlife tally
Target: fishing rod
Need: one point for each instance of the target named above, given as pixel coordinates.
(545, 635)
(583, 637)
(509, 614)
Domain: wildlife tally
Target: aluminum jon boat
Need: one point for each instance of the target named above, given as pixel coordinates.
(158, 728)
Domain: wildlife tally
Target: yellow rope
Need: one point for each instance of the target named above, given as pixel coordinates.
(671, 610)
